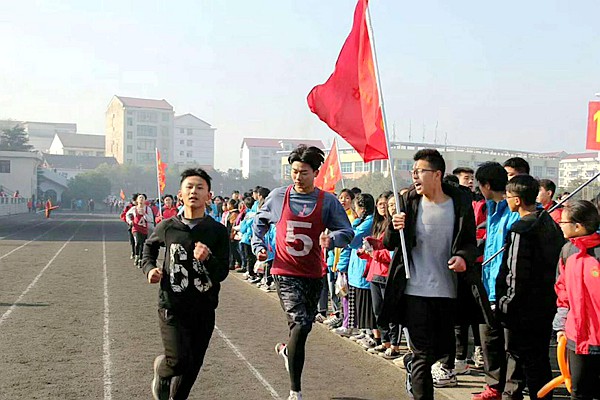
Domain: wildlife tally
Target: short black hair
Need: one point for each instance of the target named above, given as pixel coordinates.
(356, 191)
(463, 170)
(366, 201)
(167, 195)
(451, 179)
(263, 192)
(433, 157)
(256, 189)
(142, 194)
(349, 192)
(584, 213)
(312, 156)
(548, 185)
(524, 186)
(196, 172)
(518, 164)
(134, 196)
(233, 203)
(249, 201)
(493, 173)
(235, 192)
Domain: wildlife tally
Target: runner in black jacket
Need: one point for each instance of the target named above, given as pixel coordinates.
(196, 261)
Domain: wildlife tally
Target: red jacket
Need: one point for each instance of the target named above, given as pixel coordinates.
(480, 210)
(166, 213)
(127, 207)
(378, 263)
(556, 214)
(578, 291)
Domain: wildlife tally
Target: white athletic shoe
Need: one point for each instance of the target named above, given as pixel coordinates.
(295, 396)
(443, 377)
(461, 367)
(281, 349)
(478, 357)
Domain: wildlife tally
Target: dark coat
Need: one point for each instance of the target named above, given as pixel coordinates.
(464, 244)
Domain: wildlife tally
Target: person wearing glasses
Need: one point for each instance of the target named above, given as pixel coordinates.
(439, 227)
(578, 291)
(526, 301)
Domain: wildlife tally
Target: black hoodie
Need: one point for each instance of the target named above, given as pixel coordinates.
(186, 282)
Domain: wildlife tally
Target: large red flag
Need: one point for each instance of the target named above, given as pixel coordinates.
(161, 167)
(330, 173)
(349, 101)
(593, 127)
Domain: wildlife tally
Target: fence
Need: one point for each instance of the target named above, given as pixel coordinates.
(12, 205)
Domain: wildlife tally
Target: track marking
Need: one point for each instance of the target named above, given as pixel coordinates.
(5, 316)
(106, 360)
(34, 239)
(27, 227)
(254, 371)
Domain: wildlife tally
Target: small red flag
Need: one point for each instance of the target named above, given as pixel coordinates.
(330, 173)
(161, 168)
(349, 101)
(593, 126)
(122, 195)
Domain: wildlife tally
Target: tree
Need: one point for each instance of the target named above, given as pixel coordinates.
(88, 185)
(15, 139)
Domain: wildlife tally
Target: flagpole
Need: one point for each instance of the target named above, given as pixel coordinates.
(158, 183)
(387, 139)
(337, 150)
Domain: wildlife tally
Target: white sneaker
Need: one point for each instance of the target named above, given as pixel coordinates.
(281, 349)
(319, 318)
(367, 342)
(478, 357)
(295, 396)
(443, 377)
(345, 332)
(461, 367)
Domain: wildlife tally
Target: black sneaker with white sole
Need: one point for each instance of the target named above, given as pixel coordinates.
(161, 387)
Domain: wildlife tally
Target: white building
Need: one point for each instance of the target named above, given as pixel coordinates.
(136, 127)
(40, 134)
(69, 166)
(70, 144)
(194, 141)
(18, 172)
(261, 154)
(575, 168)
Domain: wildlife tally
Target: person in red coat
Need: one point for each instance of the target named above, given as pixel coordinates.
(578, 291)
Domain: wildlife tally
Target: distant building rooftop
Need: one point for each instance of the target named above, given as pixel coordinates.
(580, 155)
(82, 141)
(276, 143)
(76, 162)
(145, 103)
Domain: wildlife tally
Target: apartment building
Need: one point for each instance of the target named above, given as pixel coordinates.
(194, 141)
(575, 168)
(70, 144)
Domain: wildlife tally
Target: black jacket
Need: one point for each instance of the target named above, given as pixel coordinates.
(464, 244)
(186, 282)
(525, 283)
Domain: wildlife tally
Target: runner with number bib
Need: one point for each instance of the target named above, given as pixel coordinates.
(301, 213)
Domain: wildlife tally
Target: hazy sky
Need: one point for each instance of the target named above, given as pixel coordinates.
(512, 74)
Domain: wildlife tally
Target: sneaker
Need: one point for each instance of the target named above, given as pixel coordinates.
(240, 270)
(268, 288)
(319, 318)
(281, 349)
(391, 354)
(379, 349)
(132, 256)
(400, 361)
(488, 394)
(254, 279)
(478, 358)
(332, 320)
(136, 261)
(461, 367)
(443, 377)
(161, 387)
(295, 396)
(345, 332)
(407, 362)
(367, 342)
(357, 336)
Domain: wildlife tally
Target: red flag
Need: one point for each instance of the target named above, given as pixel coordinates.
(349, 101)
(330, 172)
(161, 167)
(593, 127)
(122, 195)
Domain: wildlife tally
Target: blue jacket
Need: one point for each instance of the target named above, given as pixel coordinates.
(246, 228)
(356, 268)
(499, 221)
(270, 242)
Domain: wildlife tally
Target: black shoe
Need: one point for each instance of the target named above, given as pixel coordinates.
(240, 270)
(161, 387)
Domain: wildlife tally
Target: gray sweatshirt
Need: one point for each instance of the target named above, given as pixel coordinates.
(334, 216)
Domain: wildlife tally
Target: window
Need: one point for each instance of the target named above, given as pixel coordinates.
(146, 130)
(551, 171)
(189, 154)
(538, 170)
(129, 149)
(358, 166)
(4, 166)
(181, 130)
(346, 167)
(189, 143)
(146, 144)
(165, 117)
(147, 116)
(384, 166)
(129, 121)
(181, 153)
(376, 166)
(182, 141)
(190, 131)
(404, 165)
(145, 157)
(129, 135)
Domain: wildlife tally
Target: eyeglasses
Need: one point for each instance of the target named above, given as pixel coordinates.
(419, 171)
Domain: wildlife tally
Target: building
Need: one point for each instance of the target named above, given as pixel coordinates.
(353, 167)
(136, 127)
(262, 154)
(194, 141)
(18, 172)
(71, 144)
(69, 166)
(40, 134)
(578, 168)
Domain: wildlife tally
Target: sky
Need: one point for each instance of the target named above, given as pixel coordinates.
(512, 74)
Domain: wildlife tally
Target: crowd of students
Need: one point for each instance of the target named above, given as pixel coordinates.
(362, 288)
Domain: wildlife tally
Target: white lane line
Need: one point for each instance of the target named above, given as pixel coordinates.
(254, 371)
(106, 361)
(27, 227)
(32, 240)
(5, 316)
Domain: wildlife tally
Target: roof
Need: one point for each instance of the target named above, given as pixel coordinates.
(188, 116)
(76, 162)
(145, 103)
(82, 141)
(581, 155)
(276, 143)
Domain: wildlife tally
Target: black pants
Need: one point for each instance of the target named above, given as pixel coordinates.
(462, 339)
(234, 253)
(185, 337)
(140, 238)
(391, 332)
(299, 298)
(250, 258)
(494, 355)
(527, 359)
(430, 324)
(585, 375)
(131, 241)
